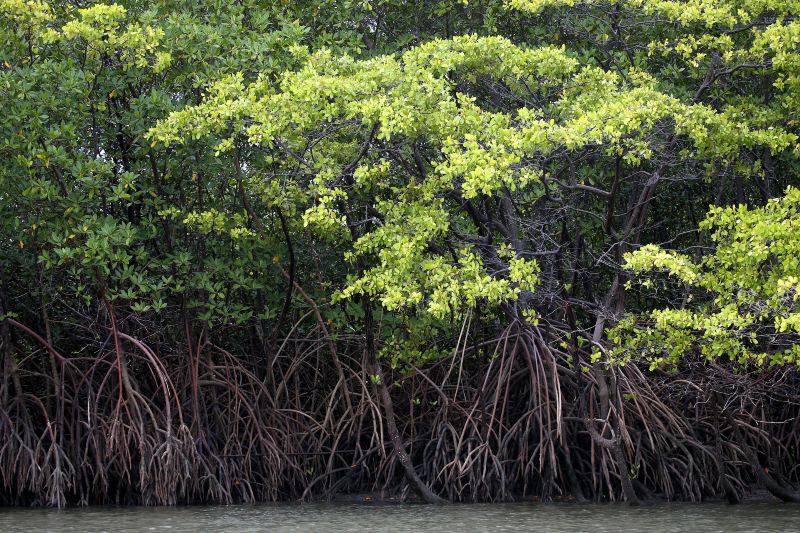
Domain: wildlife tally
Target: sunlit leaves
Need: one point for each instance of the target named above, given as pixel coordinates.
(746, 307)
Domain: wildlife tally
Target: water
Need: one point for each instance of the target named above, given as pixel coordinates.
(701, 518)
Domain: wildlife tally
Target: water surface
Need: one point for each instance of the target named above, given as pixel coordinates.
(701, 518)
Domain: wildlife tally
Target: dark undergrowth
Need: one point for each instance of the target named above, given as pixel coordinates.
(125, 418)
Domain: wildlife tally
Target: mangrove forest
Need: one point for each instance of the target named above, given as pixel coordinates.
(420, 250)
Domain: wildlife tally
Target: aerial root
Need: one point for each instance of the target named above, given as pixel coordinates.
(143, 423)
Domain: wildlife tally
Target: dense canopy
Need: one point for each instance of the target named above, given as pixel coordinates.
(468, 251)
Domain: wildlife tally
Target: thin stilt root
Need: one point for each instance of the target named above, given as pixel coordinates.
(138, 421)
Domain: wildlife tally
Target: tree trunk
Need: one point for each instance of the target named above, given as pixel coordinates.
(775, 488)
(399, 447)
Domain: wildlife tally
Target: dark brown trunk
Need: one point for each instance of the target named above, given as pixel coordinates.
(398, 445)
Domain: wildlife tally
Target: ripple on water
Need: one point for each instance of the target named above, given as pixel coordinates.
(277, 518)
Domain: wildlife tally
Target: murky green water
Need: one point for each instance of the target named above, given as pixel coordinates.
(702, 518)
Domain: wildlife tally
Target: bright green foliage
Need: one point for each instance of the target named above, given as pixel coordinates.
(709, 13)
(92, 207)
(407, 100)
(239, 204)
(475, 152)
(746, 292)
(158, 154)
